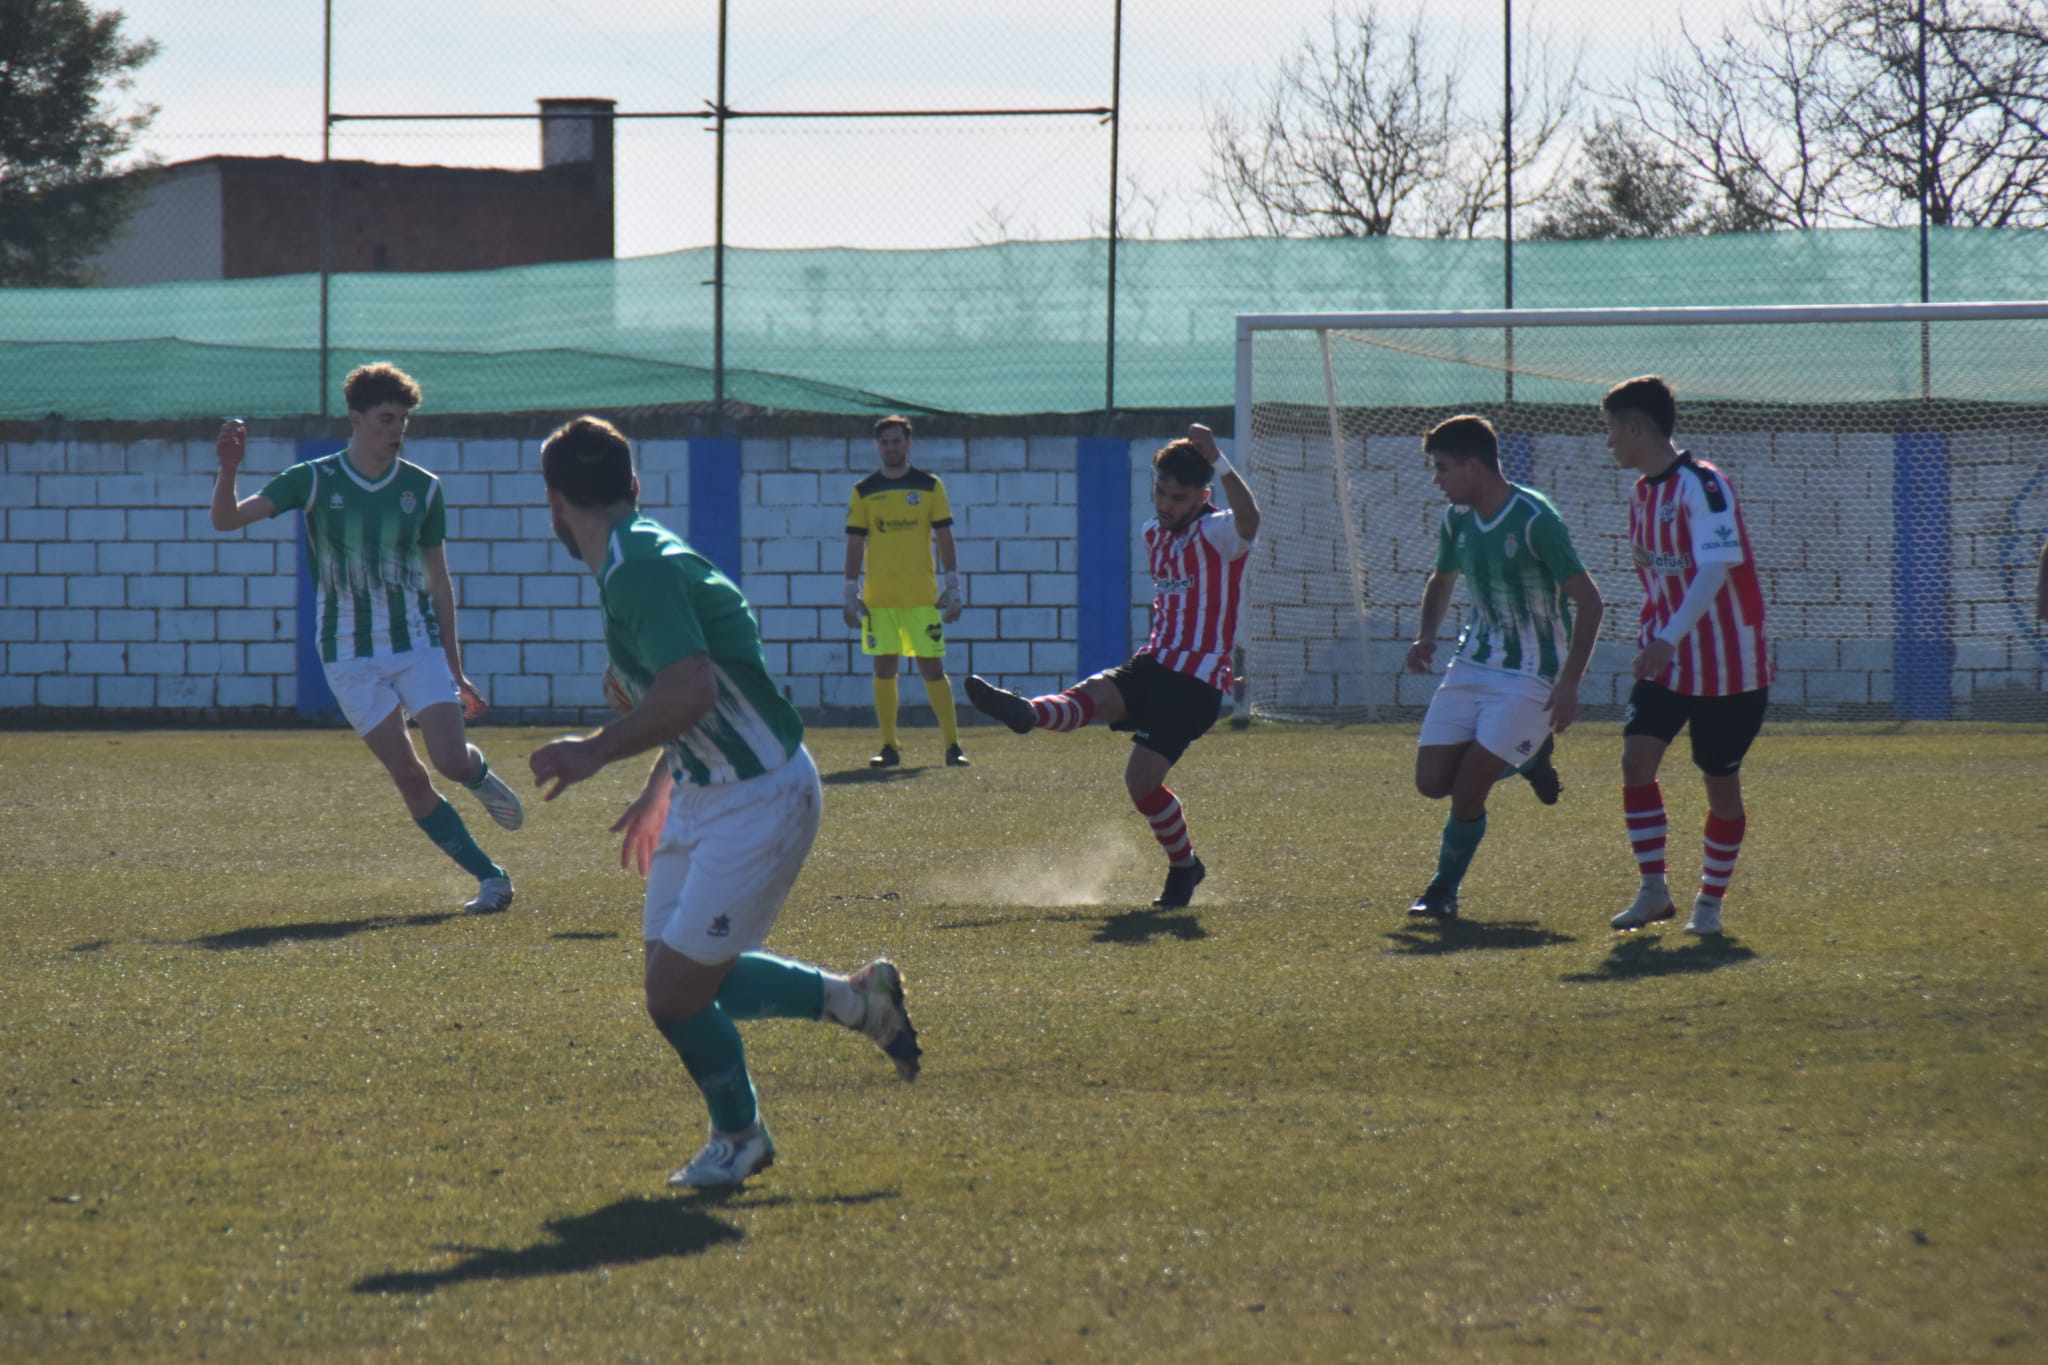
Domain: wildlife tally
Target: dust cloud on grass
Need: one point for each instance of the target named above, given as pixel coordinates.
(1077, 874)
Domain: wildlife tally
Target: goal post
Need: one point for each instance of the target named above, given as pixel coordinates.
(1890, 461)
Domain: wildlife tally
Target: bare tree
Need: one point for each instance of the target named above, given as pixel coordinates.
(1362, 133)
(1807, 115)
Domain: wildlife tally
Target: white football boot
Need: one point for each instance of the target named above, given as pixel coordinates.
(1705, 918)
(492, 895)
(1652, 903)
(727, 1160)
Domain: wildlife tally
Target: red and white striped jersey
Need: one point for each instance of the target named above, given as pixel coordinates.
(1685, 517)
(1197, 580)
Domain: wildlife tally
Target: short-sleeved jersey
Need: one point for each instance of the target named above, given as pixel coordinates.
(664, 602)
(1197, 586)
(1685, 517)
(1518, 619)
(897, 517)
(363, 540)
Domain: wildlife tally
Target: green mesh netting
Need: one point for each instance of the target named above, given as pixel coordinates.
(1013, 328)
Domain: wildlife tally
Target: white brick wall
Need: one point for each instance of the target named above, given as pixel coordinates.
(116, 593)
(1820, 515)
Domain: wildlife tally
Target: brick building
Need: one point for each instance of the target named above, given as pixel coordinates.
(238, 217)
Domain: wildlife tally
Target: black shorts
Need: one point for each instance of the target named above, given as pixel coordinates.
(1722, 727)
(1165, 711)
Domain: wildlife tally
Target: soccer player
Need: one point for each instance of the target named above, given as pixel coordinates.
(895, 518)
(1704, 659)
(1529, 631)
(376, 534)
(729, 809)
(1169, 693)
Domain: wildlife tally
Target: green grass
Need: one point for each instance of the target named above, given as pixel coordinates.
(269, 1095)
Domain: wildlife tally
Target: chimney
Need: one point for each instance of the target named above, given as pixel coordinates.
(578, 132)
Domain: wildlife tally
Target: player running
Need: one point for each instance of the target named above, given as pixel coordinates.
(1529, 632)
(730, 807)
(1170, 691)
(895, 518)
(376, 536)
(1704, 658)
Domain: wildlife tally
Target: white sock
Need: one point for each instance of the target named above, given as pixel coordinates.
(842, 1004)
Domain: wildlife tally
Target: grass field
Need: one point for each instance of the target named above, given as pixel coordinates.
(270, 1095)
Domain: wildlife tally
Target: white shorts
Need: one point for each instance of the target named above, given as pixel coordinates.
(1503, 711)
(367, 690)
(728, 856)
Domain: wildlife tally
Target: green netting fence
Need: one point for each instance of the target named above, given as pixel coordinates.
(1015, 328)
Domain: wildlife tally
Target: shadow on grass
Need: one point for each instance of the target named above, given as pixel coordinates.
(625, 1233)
(1142, 926)
(91, 945)
(1423, 938)
(1131, 926)
(584, 935)
(317, 931)
(854, 777)
(1639, 957)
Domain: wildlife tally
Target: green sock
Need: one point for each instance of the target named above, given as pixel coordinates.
(1461, 841)
(717, 1061)
(444, 826)
(885, 709)
(764, 986)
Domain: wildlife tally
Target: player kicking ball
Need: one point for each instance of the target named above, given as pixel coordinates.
(729, 810)
(1171, 690)
(1704, 661)
(1529, 631)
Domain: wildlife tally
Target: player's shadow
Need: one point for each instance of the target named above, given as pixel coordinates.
(1429, 937)
(855, 777)
(625, 1233)
(1142, 926)
(1637, 956)
(320, 931)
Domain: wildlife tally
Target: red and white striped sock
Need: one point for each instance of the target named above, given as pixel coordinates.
(1717, 855)
(1643, 808)
(1063, 711)
(1161, 809)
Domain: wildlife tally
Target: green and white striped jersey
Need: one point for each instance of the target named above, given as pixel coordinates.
(1518, 620)
(664, 602)
(364, 541)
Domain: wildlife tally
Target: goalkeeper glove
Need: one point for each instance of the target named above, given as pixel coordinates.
(853, 611)
(950, 600)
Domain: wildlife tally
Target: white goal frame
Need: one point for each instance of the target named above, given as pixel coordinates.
(1920, 682)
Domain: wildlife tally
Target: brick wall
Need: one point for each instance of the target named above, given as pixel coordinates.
(117, 596)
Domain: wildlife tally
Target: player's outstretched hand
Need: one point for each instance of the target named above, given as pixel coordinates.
(1420, 654)
(232, 443)
(642, 822)
(1655, 658)
(474, 703)
(564, 762)
(1563, 704)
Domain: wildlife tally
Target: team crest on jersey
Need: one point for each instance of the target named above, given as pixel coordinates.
(334, 502)
(1668, 512)
(406, 502)
(1508, 548)
(911, 498)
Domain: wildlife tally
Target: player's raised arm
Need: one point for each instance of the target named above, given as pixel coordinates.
(228, 514)
(1244, 508)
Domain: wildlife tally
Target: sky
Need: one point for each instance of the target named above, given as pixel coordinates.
(245, 79)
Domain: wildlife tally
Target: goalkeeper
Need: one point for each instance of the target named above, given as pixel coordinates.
(896, 517)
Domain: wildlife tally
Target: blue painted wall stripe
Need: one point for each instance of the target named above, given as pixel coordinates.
(1923, 639)
(715, 501)
(316, 698)
(1518, 457)
(1103, 553)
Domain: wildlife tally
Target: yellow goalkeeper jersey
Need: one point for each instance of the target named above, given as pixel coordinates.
(897, 518)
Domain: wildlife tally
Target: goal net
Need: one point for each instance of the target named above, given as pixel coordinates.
(1892, 463)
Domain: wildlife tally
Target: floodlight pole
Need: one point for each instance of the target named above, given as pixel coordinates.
(718, 242)
(1116, 84)
(326, 185)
